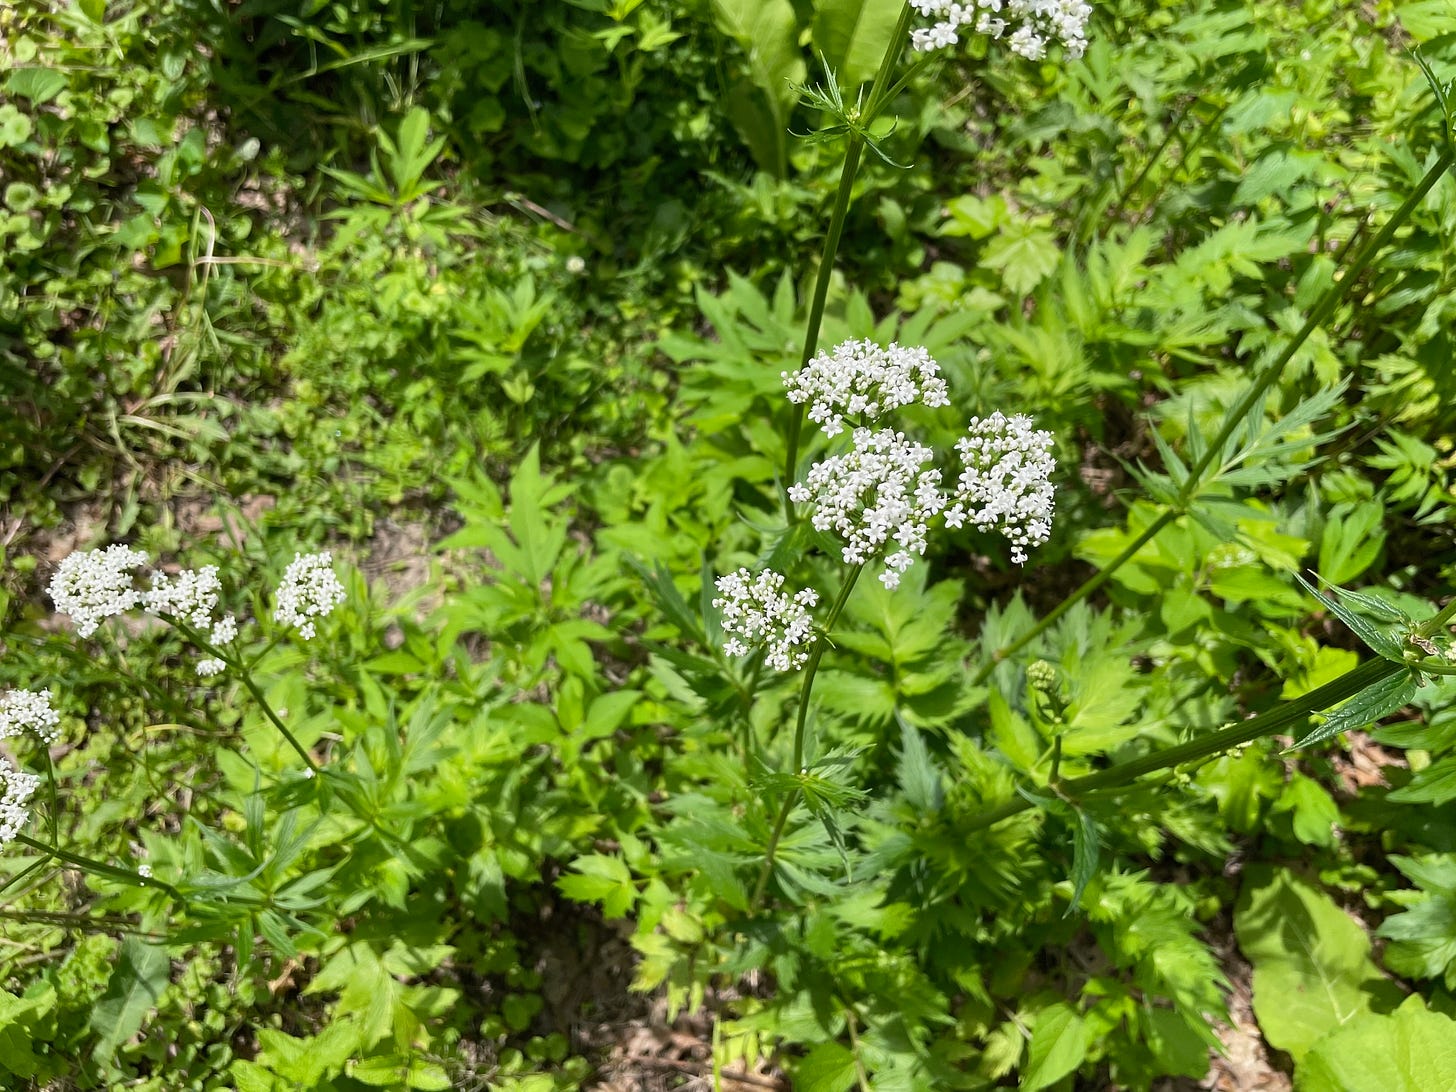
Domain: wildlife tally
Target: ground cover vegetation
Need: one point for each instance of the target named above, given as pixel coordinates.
(727, 543)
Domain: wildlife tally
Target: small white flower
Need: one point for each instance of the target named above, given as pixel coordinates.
(755, 609)
(16, 789)
(190, 596)
(144, 871)
(576, 265)
(877, 493)
(1038, 23)
(209, 667)
(224, 630)
(94, 585)
(865, 381)
(22, 709)
(1006, 485)
(309, 591)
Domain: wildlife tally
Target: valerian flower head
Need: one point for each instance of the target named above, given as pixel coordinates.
(22, 709)
(878, 494)
(760, 615)
(191, 596)
(309, 591)
(16, 789)
(1036, 23)
(864, 380)
(94, 585)
(209, 667)
(1006, 485)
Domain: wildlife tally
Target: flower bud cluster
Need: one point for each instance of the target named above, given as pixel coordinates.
(759, 615)
(16, 789)
(28, 709)
(1036, 23)
(864, 380)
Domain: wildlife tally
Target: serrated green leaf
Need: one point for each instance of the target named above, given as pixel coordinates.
(602, 879)
(1375, 701)
(1086, 850)
(1023, 253)
(1377, 640)
(919, 779)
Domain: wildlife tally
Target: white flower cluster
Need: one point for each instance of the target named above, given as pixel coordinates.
(864, 380)
(876, 492)
(1037, 24)
(1006, 485)
(760, 615)
(94, 585)
(16, 789)
(22, 709)
(882, 495)
(192, 597)
(309, 591)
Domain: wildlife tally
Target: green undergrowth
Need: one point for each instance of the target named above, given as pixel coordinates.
(530, 279)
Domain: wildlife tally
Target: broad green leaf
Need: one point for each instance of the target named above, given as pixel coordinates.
(95, 10)
(853, 36)
(1058, 1046)
(1436, 784)
(1312, 967)
(39, 85)
(1409, 1050)
(136, 985)
(829, 1067)
(1423, 938)
(768, 32)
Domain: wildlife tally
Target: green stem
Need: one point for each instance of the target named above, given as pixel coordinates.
(1285, 717)
(252, 688)
(86, 864)
(853, 153)
(1333, 296)
(245, 676)
(800, 724)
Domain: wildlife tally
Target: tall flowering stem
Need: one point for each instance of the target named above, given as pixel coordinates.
(1333, 296)
(1286, 718)
(99, 868)
(800, 727)
(853, 153)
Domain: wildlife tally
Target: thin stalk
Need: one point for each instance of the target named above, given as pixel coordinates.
(86, 864)
(1286, 716)
(800, 724)
(245, 676)
(252, 688)
(853, 153)
(1333, 296)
